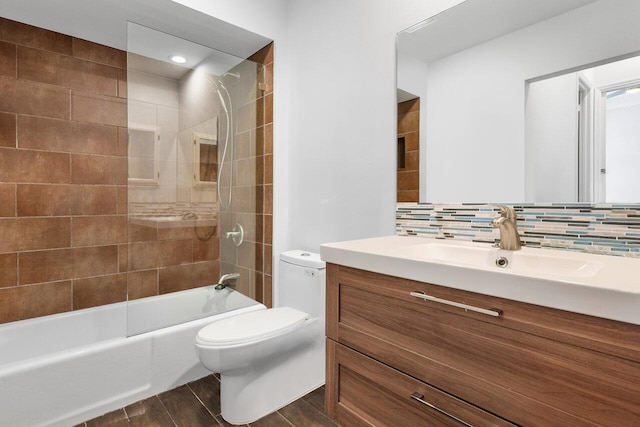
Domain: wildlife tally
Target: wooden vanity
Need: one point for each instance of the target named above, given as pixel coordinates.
(397, 359)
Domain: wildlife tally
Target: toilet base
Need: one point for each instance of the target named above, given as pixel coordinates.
(248, 395)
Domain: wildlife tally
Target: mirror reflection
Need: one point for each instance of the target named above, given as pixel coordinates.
(519, 101)
(590, 121)
(205, 165)
(143, 166)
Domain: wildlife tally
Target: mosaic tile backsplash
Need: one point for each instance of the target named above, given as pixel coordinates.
(604, 229)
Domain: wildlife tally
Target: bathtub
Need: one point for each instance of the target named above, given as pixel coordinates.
(64, 369)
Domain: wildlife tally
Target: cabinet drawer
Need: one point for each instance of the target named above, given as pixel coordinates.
(520, 373)
(372, 394)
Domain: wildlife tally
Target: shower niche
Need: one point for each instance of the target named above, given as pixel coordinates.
(205, 159)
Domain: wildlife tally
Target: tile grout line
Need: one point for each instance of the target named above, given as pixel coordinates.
(157, 396)
(200, 400)
(285, 418)
(324, 414)
(126, 414)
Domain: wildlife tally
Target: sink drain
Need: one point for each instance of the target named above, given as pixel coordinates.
(502, 262)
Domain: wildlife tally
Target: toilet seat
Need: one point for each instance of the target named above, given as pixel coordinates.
(250, 327)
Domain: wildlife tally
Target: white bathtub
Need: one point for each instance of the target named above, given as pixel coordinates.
(64, 369)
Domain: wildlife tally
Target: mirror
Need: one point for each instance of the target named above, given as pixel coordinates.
(489, 95)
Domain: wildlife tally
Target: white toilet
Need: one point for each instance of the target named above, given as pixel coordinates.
(269, 358)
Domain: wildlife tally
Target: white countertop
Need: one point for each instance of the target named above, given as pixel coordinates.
(596, 285)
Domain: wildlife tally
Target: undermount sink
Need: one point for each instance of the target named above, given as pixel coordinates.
(525, 261)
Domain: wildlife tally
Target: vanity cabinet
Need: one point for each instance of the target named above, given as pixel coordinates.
(407, 353)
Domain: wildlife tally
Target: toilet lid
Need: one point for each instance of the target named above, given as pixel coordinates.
(250, 327)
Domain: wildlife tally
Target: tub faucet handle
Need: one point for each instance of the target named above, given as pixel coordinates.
(236, 235)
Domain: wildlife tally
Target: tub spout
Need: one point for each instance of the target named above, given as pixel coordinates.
(222, 283)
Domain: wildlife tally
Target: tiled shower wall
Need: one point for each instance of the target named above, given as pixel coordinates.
(63, 173)
(601, 229)
(252, 181)
(65, 243)
(264, 177)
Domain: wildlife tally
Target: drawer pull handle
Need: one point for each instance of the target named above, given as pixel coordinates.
(420, 398)
(493, 312)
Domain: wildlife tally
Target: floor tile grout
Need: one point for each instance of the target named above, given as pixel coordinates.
(217, 418)
(285, 418)
(126, 414)
(200, 400)
(157, 396)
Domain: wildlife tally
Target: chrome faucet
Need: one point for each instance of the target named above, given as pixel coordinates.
(506, 222)
(222, 283)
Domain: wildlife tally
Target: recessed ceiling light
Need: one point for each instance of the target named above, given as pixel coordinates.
(178, 59)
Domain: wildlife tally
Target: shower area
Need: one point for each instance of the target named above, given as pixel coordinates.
(130, 182)
(195, 166)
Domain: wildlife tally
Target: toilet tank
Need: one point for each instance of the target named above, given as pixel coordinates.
(302, 282)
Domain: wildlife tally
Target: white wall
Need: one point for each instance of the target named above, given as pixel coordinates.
(412, 74)
(623, 152)
(616, 72)
(475, 128)
(343, 116)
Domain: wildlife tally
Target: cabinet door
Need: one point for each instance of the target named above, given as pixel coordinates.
(493, 362)
(364, 392)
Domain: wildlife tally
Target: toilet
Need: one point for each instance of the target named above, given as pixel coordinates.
(269, 358)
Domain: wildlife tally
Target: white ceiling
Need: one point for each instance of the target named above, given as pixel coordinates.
(159, 46)
(476, 21)
(105, 22)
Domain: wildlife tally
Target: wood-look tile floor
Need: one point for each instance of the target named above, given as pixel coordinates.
(198, 404)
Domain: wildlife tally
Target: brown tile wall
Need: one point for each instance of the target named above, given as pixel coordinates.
(65, 242)
(163, 260)
(264, 177)
(61, 226)
(409, 128)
